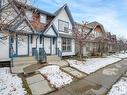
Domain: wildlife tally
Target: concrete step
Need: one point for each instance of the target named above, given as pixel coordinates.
(53, 58)
(28, 58)
(20, 61)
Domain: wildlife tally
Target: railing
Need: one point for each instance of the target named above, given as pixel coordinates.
(36, 54)
(42, 55)
(59, 53)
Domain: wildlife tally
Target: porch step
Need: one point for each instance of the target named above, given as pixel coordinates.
(21, 61)
(53, 58)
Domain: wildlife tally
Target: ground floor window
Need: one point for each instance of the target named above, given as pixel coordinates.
(66, 44)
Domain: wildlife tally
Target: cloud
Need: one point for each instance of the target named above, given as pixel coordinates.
(111, 13)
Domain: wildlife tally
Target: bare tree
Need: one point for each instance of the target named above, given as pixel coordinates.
(81, 37)
(122, 44)
(102, 44)
(13, 21)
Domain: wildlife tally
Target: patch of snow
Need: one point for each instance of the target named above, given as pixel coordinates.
(120, 88)
(121, 55)
(56, 77)
(93, 64)
(10, 84)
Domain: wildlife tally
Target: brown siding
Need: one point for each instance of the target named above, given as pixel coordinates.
(37, 24)
(98, 29)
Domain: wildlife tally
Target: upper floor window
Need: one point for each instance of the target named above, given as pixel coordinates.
(63, 26)
(29, 15)
(43, 18)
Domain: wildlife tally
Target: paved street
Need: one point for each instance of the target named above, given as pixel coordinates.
(97, 83)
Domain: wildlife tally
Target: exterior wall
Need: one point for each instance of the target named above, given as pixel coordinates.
(64, 17)
(35, 44)
(8, 15)
(59, 45)
(4, 48)
(89, 46)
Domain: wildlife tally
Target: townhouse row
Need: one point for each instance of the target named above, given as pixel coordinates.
(35, 30)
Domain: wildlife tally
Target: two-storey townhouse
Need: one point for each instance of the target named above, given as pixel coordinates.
(51, 32)
(96, 42)
(112, 42)
(55, 31)
(15, 30)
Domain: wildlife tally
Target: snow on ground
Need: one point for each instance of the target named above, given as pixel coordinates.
(56, 77)
(93, 64)
(121, 55)
(120, 88)
(10, 84)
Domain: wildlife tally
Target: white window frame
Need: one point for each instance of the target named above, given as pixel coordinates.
(43, 18)
(66, 45)
(63, 25)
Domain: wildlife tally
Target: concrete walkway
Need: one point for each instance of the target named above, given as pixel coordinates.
(97, 83)
(39, 85)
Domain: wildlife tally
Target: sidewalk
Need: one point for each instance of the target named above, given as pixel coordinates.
(97, 83)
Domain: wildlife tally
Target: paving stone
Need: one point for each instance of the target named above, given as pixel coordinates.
(40, 88)
(77, 74)
(68, 69)
(35, 79)
(61, 63)
(74, 72)
(19, 69)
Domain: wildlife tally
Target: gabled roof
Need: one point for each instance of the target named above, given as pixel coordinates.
(65, 6)
(29, 7)
(18, 22)
(48, 27)
(94, 24)
(54, 15)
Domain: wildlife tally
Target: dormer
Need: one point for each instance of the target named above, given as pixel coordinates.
(38, 18)
(43, 18)
(63, 20)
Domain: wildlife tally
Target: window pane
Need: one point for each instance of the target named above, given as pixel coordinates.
(64, 41)
(63, 25)
(42, 18)
(66, 44)
(68, 48)
(64, 48)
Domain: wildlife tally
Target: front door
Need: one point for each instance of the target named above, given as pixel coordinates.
(53, 45)
(22, 44)
(47, 45)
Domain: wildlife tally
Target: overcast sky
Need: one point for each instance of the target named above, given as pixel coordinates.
(111, 13)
